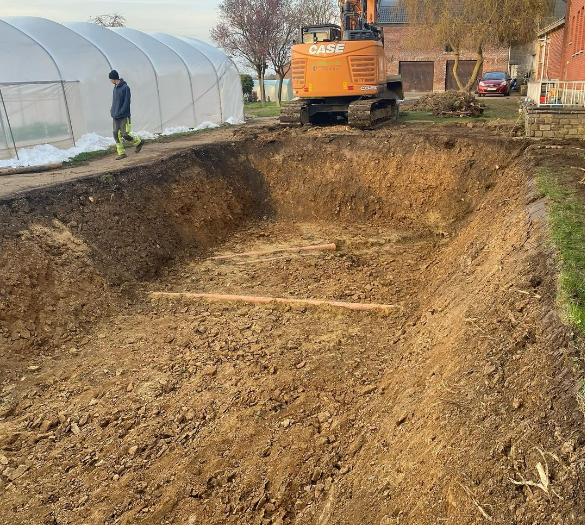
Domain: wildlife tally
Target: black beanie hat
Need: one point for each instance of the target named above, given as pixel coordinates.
(114, 75)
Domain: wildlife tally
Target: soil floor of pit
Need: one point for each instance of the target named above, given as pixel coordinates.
(449, 407)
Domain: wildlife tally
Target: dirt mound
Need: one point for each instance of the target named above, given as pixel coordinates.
(449, 407)
(450, 104)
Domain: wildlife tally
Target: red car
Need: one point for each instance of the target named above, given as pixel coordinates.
(494, 83)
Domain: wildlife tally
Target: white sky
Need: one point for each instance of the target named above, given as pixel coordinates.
(177, 17)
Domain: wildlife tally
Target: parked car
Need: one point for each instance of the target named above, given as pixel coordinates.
(494, 83)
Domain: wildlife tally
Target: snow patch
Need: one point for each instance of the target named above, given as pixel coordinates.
(172, 131)
(47, 154)
(206, 125)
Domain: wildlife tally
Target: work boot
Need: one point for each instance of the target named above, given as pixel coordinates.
(139, 146)
(122, 156)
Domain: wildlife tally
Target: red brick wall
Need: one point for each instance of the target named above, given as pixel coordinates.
(398, 49)
(552, 55)
(574, 59)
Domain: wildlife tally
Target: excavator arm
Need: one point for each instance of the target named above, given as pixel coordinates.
(357, 14)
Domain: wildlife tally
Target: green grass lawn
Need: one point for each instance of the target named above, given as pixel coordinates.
(566, 212)
(256, 109)
(504, 108)
(497, 109)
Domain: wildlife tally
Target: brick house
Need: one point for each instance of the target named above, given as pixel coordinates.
(574, 41)
(429, 70)
(561, 45)
(550, 45)
(432, 70)
(557, 108)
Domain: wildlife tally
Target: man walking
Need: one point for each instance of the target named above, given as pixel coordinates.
(121, 114)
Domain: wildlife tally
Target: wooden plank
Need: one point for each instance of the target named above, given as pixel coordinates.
(297, 249)
(267, 300)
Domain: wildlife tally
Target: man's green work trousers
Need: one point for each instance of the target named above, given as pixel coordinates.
(122, 127)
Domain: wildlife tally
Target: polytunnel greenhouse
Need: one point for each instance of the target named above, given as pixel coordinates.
(54, 85)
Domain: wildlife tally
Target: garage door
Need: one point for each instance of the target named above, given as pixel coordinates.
(417, 76)
(464, 70)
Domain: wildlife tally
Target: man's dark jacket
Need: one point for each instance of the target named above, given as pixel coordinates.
(121, 101)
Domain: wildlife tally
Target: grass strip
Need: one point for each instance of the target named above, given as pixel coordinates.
(256, 109)
(84, 158)
(566, 213)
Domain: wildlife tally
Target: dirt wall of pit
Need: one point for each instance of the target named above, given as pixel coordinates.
(72, 253)
(68, 251)
(429, 412)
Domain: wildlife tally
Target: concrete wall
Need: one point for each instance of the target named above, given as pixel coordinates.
(400, 47)
(522, 56)
(555, 123)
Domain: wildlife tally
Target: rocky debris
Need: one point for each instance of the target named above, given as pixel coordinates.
(450, 104)
(180, 399)
(14, 474)
(47, 424)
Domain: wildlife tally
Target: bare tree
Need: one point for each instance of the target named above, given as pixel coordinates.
(319, 12)
(282, 34)
(289, 17)
(244, 31)
(109, 20)
(471, 25)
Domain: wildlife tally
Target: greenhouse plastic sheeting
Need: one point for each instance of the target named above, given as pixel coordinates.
(64, 92)
(271, 90)
(204, 80)
(228, 77)
(76, 59)
(174, 79)
(38, 114)
(6, 148)
(134, 66)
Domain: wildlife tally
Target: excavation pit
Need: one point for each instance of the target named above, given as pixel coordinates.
(122, 407)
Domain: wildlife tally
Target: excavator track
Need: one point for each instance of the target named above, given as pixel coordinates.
(369, 112)
(293, 113)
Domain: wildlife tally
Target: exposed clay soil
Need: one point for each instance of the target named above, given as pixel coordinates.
(117, 407)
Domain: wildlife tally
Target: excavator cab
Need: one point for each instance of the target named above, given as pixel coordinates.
(316, 34)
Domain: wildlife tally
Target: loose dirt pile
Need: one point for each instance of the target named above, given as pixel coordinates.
(120, 408)
(450, 104)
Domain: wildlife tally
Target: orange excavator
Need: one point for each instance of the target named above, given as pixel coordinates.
(339, 73)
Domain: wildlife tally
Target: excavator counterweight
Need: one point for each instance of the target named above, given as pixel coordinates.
(339, 72)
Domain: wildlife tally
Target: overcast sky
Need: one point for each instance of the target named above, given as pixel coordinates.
(178, 17)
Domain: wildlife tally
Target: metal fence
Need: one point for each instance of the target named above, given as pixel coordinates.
(557, 94)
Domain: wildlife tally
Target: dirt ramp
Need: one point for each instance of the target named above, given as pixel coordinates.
(478, 394)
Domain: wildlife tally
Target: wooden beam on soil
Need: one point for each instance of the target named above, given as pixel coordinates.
(319, 247)
(267, 300)
(267, 259)
(4, 172)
